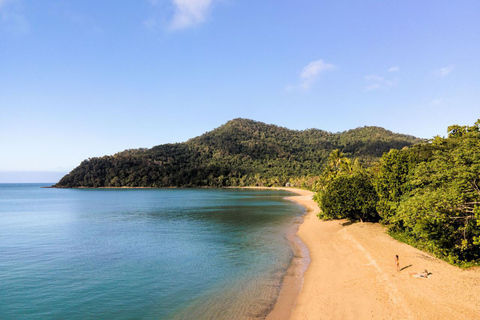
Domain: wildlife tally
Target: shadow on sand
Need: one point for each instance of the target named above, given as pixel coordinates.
(406, 267)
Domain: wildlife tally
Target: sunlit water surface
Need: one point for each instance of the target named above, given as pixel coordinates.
(142, 253)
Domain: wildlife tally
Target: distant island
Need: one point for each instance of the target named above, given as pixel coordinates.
(241, 152)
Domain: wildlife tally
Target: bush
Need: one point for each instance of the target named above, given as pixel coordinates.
(350, 197)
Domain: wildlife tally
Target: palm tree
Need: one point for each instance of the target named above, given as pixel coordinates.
(335, 159)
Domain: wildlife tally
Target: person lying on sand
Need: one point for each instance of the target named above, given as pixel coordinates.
(424, 274)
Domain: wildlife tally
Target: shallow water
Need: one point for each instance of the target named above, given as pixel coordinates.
(142, 253)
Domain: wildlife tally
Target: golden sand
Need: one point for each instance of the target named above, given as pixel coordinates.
(353, 275)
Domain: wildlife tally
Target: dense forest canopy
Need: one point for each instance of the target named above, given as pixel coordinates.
(239, 153)
(428, 195)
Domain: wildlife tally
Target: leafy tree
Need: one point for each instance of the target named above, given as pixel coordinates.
(350, 196)
(391, 180)
(428, 194)
(441, 212)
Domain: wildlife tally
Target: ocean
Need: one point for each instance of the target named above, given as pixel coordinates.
(142, 253)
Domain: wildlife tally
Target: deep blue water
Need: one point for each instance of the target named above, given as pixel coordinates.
(142, 253)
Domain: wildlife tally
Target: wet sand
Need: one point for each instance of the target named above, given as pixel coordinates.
(293, 278)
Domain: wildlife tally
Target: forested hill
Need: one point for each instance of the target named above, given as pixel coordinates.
(240, 152)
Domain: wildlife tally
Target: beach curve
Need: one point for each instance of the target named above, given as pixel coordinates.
(352, 275)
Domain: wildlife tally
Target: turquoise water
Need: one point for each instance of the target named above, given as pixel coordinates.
(142, 253)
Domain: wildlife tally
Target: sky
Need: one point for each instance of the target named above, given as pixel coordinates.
(81, 79)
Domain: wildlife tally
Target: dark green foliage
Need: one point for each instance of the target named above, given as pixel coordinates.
(430, 194)
(349, 196)
(442, 210)
(391, 181)
(240, 153)
(369, 143)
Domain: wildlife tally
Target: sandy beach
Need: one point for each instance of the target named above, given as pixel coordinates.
(352, 275)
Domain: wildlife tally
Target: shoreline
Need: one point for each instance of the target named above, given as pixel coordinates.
(348, 271)
(352, 275)
(294, 276)
(292, 280)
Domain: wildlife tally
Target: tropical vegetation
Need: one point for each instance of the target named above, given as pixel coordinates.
(428, 194)
(240, 153)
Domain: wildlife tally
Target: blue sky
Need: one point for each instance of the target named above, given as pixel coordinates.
(80, 79)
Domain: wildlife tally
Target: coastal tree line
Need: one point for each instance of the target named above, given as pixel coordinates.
(428, 194)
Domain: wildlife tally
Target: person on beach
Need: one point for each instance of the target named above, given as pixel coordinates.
(397, 261)
(424, 274)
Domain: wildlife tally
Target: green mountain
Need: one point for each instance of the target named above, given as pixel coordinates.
(240, 152)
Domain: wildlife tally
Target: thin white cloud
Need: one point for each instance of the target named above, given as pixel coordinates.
(394, 69)
(375, 78)
(445, 71)
(436, 102)
(186, 13)
(311, 72)
(189, 13)
(377, 82)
